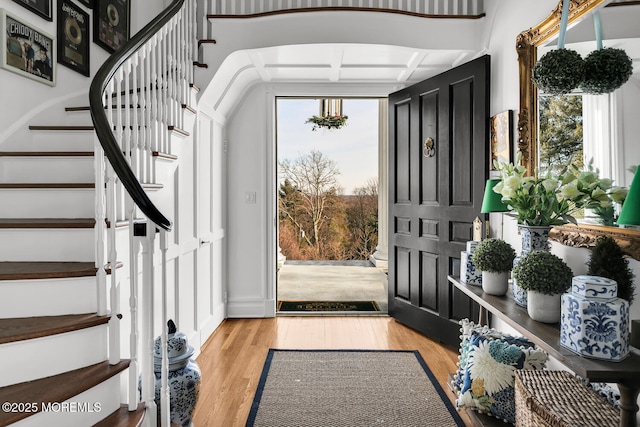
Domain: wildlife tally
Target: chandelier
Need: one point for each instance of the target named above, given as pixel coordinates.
(330, 115)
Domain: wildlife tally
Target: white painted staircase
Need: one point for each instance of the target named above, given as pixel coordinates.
(53, 345)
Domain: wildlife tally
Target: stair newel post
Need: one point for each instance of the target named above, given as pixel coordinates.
(164, 390)
(192, 38)
(134, 368)
(148, 282)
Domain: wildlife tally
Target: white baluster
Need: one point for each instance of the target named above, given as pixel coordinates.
(100, 229)
(164, 391)
(134, 159)
(114, 321)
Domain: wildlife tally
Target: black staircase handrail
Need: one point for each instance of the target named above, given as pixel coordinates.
(101, 123)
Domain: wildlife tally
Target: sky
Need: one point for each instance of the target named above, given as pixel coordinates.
(353, 147)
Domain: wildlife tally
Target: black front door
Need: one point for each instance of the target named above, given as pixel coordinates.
(438, 164)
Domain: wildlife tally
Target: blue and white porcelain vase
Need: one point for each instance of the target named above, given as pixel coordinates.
(184, 376)
(534, 238)
(595, 322)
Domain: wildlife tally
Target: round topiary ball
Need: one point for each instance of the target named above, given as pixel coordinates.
(559, 71)
(605, 70)
(543, 272)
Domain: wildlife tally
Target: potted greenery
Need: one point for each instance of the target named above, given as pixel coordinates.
(607, 260)
(494, 257)
(605, 70)
(545, 277)
(559, 71)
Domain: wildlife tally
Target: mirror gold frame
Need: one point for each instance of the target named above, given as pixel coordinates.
(527, 42)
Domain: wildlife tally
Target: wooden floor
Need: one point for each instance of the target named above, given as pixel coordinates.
(232, 359)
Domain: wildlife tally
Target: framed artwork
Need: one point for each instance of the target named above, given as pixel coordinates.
(40, 7)
(88, 3)
(27, 50)
(111, 23)
(501, 138)
(73, 37)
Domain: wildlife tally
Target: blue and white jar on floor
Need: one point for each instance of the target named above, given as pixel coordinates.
(595, 322)
(184, 376)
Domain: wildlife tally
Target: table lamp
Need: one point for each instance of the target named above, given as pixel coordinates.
(630, 213)
(492, 201)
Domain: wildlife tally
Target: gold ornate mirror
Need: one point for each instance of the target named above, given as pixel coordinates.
(527, 43)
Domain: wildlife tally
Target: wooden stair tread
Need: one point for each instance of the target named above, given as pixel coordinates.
(46, 185)
(91, 128)
(124, 418)
(61, 128)
(165, 156)
(46, 153)
(28, 328)
(47, 222)
(57, 388)
(25, 270)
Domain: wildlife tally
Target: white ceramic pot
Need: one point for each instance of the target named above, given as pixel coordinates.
(495, 283)
(544, 308)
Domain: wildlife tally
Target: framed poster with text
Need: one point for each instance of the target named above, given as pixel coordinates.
(27, 50)
(40, 7)
(73, 37)
(88, 3)
(111, 23)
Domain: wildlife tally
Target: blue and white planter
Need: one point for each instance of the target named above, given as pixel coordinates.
(594, 321)
(469, 274)
(183, 380)
(534, 238)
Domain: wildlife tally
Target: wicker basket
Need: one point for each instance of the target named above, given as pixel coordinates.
(558, 399)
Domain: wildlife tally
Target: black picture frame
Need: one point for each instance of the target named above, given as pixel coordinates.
(111, 23)
(26, 50)
(42, 8)
(73, 37)
(88, 3)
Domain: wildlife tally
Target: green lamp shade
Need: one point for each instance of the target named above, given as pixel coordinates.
(630, 213)
(492, 201)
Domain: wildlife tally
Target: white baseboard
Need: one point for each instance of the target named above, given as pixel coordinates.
(249, 309)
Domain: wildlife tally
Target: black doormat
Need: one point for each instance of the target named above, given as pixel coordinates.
(328, 306)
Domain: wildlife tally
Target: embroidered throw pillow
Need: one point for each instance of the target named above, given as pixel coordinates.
(467, 327)
(489, 374)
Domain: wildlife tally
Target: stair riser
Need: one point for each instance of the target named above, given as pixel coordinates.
(56, 244)
(104, 396)
(48, 297)
(42, 357)
(47, 203)
(46, 169)
(76, 140)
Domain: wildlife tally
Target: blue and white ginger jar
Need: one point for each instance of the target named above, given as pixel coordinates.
(595, 322)
(184, 376)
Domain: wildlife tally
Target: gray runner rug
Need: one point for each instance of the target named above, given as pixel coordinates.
(355, 388)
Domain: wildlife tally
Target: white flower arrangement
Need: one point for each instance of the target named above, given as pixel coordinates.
(539, 201)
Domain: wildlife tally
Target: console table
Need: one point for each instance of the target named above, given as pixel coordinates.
(625, 373)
